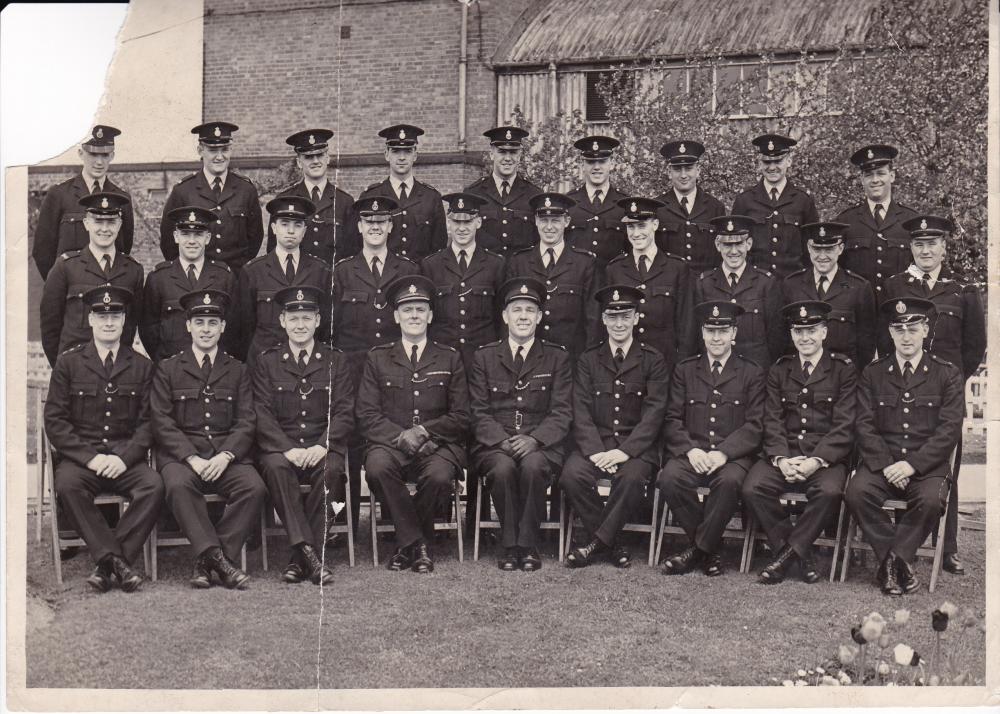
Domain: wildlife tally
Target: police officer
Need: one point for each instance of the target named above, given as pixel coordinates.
(204, 430)
(779, 207)
(713, 430)
(326, 228)
(162, 330)
(238, 230)
(853, 319)
(876, 246)
(521, 390)
(418, 227)
(304, 400)
(664, 312)
(286, 265)
(809, 416)
(619, 399)
(413, 409)
(957, 330)
(910, 409)
(595, 219)
(60, 225)
(63, 314)
(467, 280)
(569, 274)
(685, 229)
(761, 334)
(97, 420)
(508, 221)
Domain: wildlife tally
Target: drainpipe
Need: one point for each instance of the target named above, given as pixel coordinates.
(553, 90)
(463, 60)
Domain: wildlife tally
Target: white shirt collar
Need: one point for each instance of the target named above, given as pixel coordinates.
(468, 251)
(690, 197)
(721, 360)
(591, 190)
(914, 361)
(829, 276)
(294, 351)
(98, 254)
(199, 265)
(813, 361)
(498, 181)
(88, 181)
(919, 274)
(780, 186)
(368, 254)
(625, 349)
(513, 347)
(408, 347)
(310, 184)
(650, 254)
(557, 249)
(103, 353)
(396, 183)
(211, 177)
(884, 204)
(199, 355)
(726, 270)
(281, 254)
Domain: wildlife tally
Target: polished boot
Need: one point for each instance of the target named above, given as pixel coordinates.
(507, 562)
(582, 557)
(775, 571)
(201, 578)
(231, 576)
(889, 579)
(807, 570)
(530, 560)
(128, 579)
(684, 561)
(401, 559)
(712, 567)
(953, 564)
(318, 572)
(101, 578)
(422, 561)
(907, 576)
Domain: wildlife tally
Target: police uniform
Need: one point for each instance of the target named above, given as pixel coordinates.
(876, 248)
(530, 396)
(777, 240)
(508, 220)
(397, 396)
(595, 225)
(686, 231)
(919, 421)
(713, 413)
(199, 413)
(853, 319)
(465, 302)
(665, 309)
(239, 229)
(807, 412)
(93, 410)
(570, 314)
(263, 277)
(60, 217)
(62, 311)
(618, 403)
(163, 329)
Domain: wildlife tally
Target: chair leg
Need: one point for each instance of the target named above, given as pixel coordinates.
(836, 545)
(374, 519)
(41, 482)
(562, 525)
(852, 528)
(55, 538)
(938, 545)
(459, 520)
(749, 540)
(350, 520)
(243, 558)
(659, 540)
(153, 548)
(263, 535)
(650, 560)
(475, 531)
(569, 529)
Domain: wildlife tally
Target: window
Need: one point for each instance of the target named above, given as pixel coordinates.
(596, 109)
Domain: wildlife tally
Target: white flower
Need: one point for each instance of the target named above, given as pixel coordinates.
(948, 608)
(883, 668)
(846, 654)
(844, 677)
(788, 683)
(801, 683)
(829, 681)
(801, 673)
(901, 617)
(905, 655)
(820, 670)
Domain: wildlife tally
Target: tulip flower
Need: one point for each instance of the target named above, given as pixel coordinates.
(801, 673)
(939, 620)
(846, 654)
(788, 683)
(905, 655)
(844, 677)
(883, 668)
(857, 636)
(872, 627)
(969, 618)
(883, 641)
(948, 608)
(829, 681)
(901, 617)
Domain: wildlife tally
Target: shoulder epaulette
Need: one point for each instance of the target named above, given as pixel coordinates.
(650, 348)
(403, 257)
(580, 250)
(240, 176)
(188, 178)
(343, 260)
(374, 185)
(173, 356)
(842, 358)
(785, 358)
(553, 344)
(431, 255)
(221, 264)
(384, 346)
(70, 254)
(272, 348)
(487, 251)
(692, 358)
(761, 270)
(617, 258)
(525, 250)
(259, 258)
(74, 348)
(939, 359)
(164, 264)
(425, 185)
(747, 360)
(851, 273)
(496, 343)
(284, 191)
(801, 271)
(668, 254)
(442, 345)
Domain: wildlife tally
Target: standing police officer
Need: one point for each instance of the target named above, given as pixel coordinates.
(596, 218)
(60, 226)
(238, 230)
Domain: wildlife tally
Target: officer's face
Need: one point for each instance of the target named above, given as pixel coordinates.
(551, 228)
(313, 166)
(215, 159)
(462, 228)
(641, 233)
(107, 326)
(413, 318)
(522, 318)
(718, 340)
(374, 232)
(300, 325)
(808, 340)
(102, 229)
(824, 257)
(597, 172)
(206, 330)
(191, 242)
(878, 182)
(505, 161)
(734, 254)
(928, 253)
(401, 159)
(909, 338)
(289, 232)
(774, 171)
(684, 178)
(95, 164)
(620, 324)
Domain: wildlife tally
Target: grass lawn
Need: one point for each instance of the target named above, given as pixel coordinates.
(466, 625)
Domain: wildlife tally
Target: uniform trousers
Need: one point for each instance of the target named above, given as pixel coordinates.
(705, 522)
(387, 476)
(305, 521)
(76, 486)
(240, 485)
(604, 520)
(518, 489)
(823, 489)
(866, 493)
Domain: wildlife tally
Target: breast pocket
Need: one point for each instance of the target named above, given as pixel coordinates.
(74, 304)
(72, 234)
(125, 402)
(603, 396)
(220, 408)
(83, 402)
(172, 324)
(234, 224)
(751, 322)
(660, 310)
(566, 299)
(822, 404)
(481, 301)
(539, 394)
(267, 309)
(732, 411)
(187, 405)
(444, 306)
(285, 399)
(353, 304)
(924, 409)
(886, 408)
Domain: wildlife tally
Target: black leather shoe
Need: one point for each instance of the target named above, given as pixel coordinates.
(401, 559)
(294, 572)
(621, 557)
(906, 575)
(231, 576)
(318, 572)
(683, 562)
(530, 561)
(100, 579)
(807, 570)
(889, 580)
(775, 571)
(582, 557)
(953, 564)
(422, 561)
(128, 579)
(508, 561)
(712, 567)
(201, 578)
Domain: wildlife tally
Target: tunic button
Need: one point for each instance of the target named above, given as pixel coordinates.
(107, 413)
(208, 401)
(688, 246)
(462, 284)
(109, 398)
(519, 399)
(906, 394)
(642, 329)
(616, 422)
(416, 411)
(461, 327)
(504, 221)
(104, 441)
(546, 327)
(378, 320)
(712, 405)
(878, 275)
(378, 334)
(547, 312)
(618, 396)
(906, 426)
(206, 427)
(711, 419)
(504, 235)
(774, 240)
(803, 420)
(461, 299)
(303, 412)
(906, 410)
(416, 392)
(208, 414)
(617, 409)
(805, 390)
(805, 406)
(595, 230)
(302, 426)
(461, 312)
(878, 248)
(711, 433)
(404, 226)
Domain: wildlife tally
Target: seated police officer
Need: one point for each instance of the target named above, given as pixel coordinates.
(203, 426)
(713, 431)
(412, 407)
(304, 399)
(618, 402)
(808, 437)
(97, 420)
(521, 390)
(910, 409)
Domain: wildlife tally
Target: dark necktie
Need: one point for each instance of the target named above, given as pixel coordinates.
(643, 268)
(289, 268)
(806, 369)
(774, 195)
(733, 277)
(192, 276)
(463, 264)
(413, 357)
(907, 372)
(109, 364)
(552, 260)
(821, 288)
(519, 359)
(300, 358)
(619, 356)
(217, 188)
(685, 205)
(926, 280)
(315, 195)
(96, 187)
(878, 214)
(375, 271)
(504, 189)
(402, 192)
(597, 199)
(107, 264)
(716, 369)
(206, 369)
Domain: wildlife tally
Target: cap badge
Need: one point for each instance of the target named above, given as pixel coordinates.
(107, 298)
(524, 289)
(729, 226)
(461, 202)
(99, 133)
(901, 307)
(299, 295)
(507, 135)
(191, 217)
(402, 133)
(615, 296)
(871, 154)
(770, 146)
(633, 207)
(374, 205)
(312, 139)
(207, 299)
(291, 207)
(682, 149)
(822, 232)
(218, 131)
(104, 203)
(803, 312)
(548, 202)
(597, 146)
(923, 223)
(413, 290)
(715, 311)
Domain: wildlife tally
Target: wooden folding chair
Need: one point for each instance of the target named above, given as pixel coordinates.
(490, 523)
(276, 528)
(731, 532)
(649, 528)
(159, 540)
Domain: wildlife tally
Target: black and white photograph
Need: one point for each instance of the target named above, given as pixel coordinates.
(504, 354)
